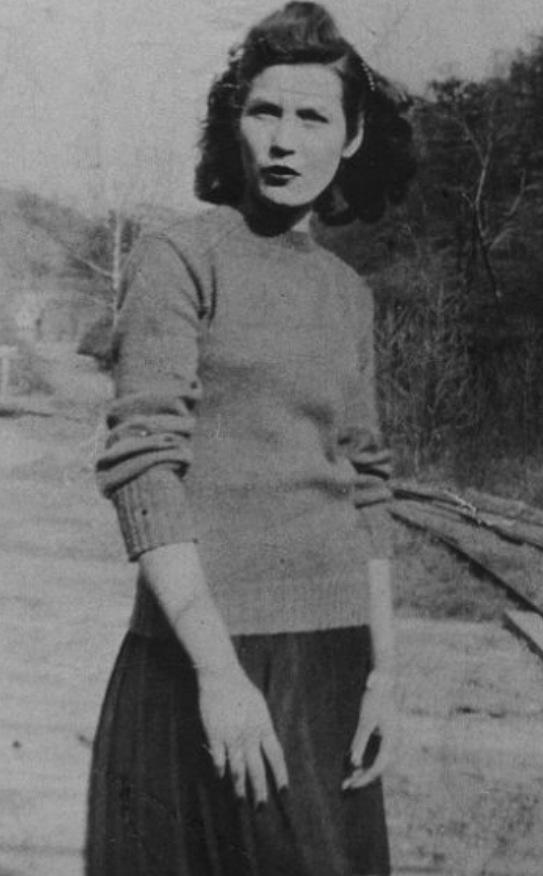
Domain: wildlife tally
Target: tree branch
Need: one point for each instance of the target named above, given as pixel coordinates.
(510, 215)
(97, 269)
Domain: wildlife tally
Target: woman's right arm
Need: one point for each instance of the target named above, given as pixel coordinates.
(234, 713)
(147, 453)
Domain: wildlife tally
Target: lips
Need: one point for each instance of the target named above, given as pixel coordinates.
(280, 173)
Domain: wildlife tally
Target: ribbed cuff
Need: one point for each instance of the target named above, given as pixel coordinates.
(152, 510)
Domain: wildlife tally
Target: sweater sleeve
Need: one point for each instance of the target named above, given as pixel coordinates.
(151, 420)
(362, 443)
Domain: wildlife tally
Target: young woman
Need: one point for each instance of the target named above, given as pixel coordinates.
(249, 715)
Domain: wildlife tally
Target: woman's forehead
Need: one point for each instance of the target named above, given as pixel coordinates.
(305, 82)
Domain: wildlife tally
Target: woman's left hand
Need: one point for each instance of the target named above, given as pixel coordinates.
(377, 718)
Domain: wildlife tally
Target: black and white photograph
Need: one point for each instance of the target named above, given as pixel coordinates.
(271, 438)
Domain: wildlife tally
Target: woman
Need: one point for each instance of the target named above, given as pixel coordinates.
(249, 715)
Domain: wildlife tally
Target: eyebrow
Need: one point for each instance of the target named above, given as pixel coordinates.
(312, 105)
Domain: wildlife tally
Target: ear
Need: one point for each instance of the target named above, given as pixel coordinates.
(354, 145)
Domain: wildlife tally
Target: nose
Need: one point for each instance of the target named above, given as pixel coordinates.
(283, 138)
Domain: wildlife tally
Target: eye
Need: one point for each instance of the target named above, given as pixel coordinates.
(262, 109)
(312, 115)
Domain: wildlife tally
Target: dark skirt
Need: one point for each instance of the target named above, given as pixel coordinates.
(156, 806)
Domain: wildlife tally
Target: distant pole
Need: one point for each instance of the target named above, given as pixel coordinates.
(117, 225)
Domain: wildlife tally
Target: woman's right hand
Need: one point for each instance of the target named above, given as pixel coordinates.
(240, 732)
(234, 713)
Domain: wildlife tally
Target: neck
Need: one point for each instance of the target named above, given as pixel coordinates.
(275, 220)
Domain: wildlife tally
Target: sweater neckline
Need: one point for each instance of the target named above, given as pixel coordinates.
(285, 238)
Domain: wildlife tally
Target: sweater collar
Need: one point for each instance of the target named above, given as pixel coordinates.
(275, 233)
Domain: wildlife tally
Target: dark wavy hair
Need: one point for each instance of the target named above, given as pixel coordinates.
(378, 173)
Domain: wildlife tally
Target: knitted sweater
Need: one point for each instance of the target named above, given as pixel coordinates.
(244, 419)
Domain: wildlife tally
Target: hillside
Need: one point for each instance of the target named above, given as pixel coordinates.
(41, 292)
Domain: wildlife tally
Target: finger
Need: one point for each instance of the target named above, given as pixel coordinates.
(276, 759)
(360, 742)
(218, 756)
(257, 774)
(236, 763)
(361, 777)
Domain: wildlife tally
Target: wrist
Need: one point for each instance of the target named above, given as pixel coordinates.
(218, 672)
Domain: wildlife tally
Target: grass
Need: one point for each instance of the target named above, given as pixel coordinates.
(433, 581)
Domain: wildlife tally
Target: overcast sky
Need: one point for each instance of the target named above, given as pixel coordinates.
(100, 99)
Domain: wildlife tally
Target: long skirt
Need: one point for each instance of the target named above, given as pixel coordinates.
(157, 806)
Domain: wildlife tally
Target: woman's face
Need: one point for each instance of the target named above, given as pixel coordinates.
(293, 134)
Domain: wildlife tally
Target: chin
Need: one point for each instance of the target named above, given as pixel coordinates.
(288, 200)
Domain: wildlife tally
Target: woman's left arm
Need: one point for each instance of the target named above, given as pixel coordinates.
(377, 720)
(371, 461)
